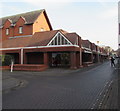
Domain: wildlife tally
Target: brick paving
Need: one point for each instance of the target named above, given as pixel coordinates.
(72, 90)
(110, 96)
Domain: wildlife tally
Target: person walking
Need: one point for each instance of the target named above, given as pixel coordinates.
(112, 62)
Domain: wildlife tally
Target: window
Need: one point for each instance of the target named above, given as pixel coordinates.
(20, 30)
(7, 31)
(59, 40)
(42, 29)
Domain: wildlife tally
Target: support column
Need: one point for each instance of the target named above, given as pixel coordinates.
(46, 62)
(80, 57)
(92, 57)
(73, 60)
(98, 55)
(21, 56)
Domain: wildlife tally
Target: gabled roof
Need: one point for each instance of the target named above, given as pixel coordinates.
(94, 47)
(42, 38)
(29, 17)
(86, 43)
(38, 39)
(72, 37)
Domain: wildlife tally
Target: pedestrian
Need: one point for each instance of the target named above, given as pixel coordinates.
(112, 62)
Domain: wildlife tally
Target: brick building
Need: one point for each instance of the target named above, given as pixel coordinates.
(24, 25)
(29, 38)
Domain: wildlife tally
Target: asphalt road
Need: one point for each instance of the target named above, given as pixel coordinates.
(70, 90)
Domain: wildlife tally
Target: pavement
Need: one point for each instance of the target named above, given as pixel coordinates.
(62, 88)
(111, 100)
(110, 96)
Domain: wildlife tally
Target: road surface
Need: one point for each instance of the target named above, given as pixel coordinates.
(73, 90)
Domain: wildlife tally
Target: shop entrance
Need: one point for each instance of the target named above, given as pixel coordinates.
(60, 60)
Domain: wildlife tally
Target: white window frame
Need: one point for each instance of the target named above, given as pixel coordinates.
(20, 30)
(53, 39)
(42, 29)
(7, 31)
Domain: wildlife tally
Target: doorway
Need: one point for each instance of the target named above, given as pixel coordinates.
(60, 60)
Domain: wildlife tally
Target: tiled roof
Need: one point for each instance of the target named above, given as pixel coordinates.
(38, 39)
(16, 42)
(42, 38)
(30, 17)
(94, 46)
(85, 43)
(72, 37)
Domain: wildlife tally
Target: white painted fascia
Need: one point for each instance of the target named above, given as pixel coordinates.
(86, 48)
(87, 51)
(104, 54)
(38, 47)
(94, 50)
(10, 20)
(11, 48)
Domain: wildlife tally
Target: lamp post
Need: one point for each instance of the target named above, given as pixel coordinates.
(98, 51)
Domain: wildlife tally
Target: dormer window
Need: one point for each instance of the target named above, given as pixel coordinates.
(20, 30)
(7, 31)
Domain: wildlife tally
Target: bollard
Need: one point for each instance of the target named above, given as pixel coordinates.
(12, 66)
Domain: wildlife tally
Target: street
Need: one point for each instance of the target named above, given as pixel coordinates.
(60, 88)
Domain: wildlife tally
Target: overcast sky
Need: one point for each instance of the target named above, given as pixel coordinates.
(96, 20)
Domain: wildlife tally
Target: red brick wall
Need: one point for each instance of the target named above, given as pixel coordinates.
(31, 67)
(41, 22)
(14, 31)
(4, 67)
(6, 25)
(27, 29)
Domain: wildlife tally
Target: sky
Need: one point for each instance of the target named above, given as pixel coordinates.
(95, 20)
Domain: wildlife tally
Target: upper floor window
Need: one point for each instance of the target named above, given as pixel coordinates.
(42, 29)
(7, 31)
(20, 30)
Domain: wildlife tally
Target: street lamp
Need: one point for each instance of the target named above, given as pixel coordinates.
(98, 51)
